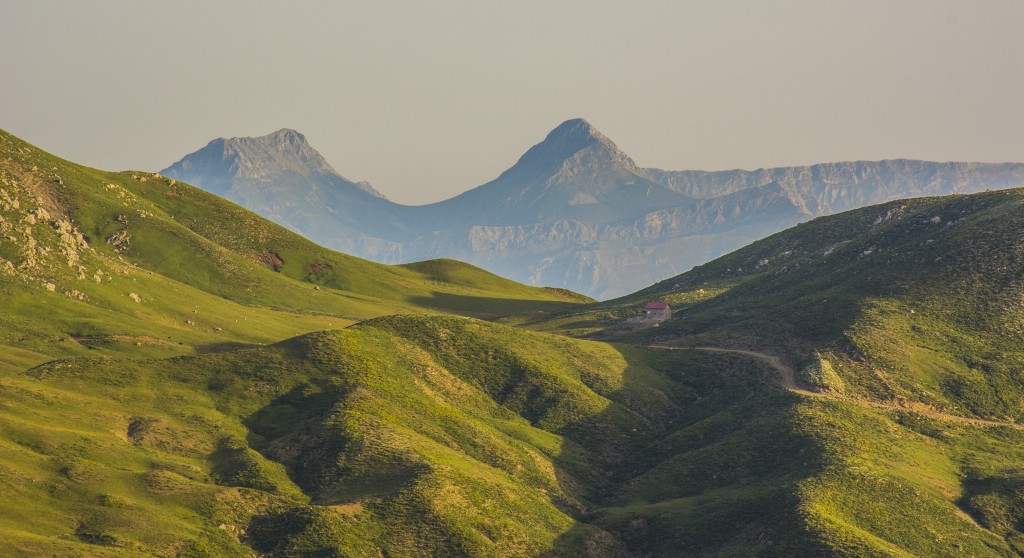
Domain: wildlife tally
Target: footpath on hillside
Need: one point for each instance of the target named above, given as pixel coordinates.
(788, 378)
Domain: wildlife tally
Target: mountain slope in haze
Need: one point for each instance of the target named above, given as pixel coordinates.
(575, 174)
(99, 261)
(259, 160)
(576, 212)
(281, 177)
(836, 187)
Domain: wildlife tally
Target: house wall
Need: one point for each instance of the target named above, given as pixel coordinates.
(659, 315)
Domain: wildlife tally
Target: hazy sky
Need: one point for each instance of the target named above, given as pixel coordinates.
(428, 99)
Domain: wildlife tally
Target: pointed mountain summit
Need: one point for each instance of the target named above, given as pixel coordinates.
(282, 177)
(222, 162)
(576, 173)
(573, 141)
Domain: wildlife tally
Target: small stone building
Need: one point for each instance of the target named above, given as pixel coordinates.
(657, 311)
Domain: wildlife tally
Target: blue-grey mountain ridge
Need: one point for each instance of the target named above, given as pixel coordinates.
(574, 212)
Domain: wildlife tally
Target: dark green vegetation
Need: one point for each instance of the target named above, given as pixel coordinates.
(165, 429)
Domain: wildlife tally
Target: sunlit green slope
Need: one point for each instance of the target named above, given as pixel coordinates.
(411, 436)
(132, 262)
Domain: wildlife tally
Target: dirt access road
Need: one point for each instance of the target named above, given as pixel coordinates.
(787, 376)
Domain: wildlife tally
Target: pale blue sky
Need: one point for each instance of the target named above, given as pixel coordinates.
(428, 99)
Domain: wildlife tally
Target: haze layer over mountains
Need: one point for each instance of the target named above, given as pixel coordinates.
(574, 212)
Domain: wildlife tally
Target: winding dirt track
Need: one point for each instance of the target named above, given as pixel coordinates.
(787, 376)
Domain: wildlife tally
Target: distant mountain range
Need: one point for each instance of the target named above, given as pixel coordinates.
(574, 211)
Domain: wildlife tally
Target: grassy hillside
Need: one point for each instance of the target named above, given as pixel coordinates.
(428, 436)
(916, 301)
(901, 322)
(410, 435)
(134, 263)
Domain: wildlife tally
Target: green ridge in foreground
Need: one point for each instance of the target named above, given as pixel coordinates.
(408, 435)
(94, 262)
(426, 436)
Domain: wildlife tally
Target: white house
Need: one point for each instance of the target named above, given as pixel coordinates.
(657, 311)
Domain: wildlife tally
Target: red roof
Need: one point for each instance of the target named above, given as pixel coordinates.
(656, 305)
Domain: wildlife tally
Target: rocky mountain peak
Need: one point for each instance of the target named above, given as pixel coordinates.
(575, 127)
(285, 136)
(573, 144)
(264, 158)
(284, 149)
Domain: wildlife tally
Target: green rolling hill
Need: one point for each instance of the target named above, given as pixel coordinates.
(224, 388)
(405, 435)
(136, 263)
